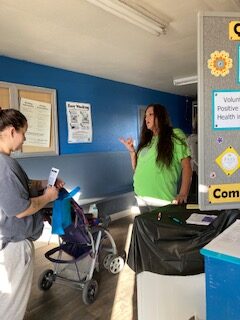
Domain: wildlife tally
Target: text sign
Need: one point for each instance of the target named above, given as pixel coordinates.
(226, 109)
(234, 30)
(222, 193)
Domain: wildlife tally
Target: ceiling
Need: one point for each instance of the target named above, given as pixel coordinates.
(78, 36)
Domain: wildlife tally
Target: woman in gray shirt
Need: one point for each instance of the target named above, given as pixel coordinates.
(20, 217)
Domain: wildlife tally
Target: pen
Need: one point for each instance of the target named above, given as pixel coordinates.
(175, 219)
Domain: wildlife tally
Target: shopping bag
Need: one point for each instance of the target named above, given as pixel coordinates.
(61, 216)
(76, 232)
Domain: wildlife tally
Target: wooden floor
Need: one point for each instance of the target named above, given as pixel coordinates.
(117, 293)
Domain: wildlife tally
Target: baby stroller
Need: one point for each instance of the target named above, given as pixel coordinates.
(77, 258)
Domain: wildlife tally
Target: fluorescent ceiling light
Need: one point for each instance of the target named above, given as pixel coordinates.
(186, 80)
(134, 14)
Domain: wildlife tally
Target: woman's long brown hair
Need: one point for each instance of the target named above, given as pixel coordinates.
(11, 117)
(165, 144)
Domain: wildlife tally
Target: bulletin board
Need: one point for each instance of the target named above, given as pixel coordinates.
(219, 110)
(12, 95)
(4, 97)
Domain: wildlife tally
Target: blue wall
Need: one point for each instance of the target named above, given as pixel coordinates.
(103, 166)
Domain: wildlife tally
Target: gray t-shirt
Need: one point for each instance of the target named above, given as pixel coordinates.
(15, 198)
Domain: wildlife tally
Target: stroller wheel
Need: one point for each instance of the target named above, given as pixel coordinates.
(45, 280)
(116, 265)
(90, 291)
(107, 260)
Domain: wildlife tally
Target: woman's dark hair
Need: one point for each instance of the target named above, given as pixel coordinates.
(12, 117)
(165, 142)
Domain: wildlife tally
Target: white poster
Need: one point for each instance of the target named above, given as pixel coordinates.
(79, 122)
(38, 115)
(226, 109)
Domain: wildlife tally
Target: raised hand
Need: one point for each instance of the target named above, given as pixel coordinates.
(128, 143)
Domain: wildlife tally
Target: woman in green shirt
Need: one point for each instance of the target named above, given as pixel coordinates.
(161, 158)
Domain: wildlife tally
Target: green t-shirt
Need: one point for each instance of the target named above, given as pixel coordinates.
(160, 182)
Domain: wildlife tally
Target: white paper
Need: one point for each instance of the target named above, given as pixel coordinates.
(226, 108)
(38, 115)
(228, 242)
(53, 176)
(201, 219)
(79, 122)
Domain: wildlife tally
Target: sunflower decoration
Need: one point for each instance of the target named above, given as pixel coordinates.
(220, 63)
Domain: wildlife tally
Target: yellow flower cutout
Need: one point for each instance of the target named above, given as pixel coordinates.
(220, 63)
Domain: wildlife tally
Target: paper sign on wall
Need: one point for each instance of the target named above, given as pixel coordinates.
(79, 122)
(38, 115)
(226, 109)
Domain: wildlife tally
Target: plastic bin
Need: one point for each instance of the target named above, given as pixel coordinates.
(161, 297)
(222, 289)
(222, 271)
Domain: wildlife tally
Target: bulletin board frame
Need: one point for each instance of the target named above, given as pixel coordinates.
(218, 186)
(10, 97)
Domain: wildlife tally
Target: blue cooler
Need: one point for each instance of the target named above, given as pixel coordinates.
(222, 269)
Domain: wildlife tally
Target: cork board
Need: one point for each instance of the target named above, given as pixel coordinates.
(4, 97)
(12, 94)
(218, 110)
